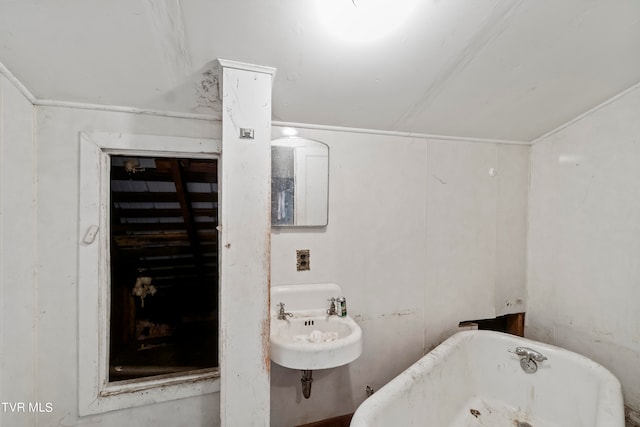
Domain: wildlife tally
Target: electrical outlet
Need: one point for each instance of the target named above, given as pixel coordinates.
(302, 260)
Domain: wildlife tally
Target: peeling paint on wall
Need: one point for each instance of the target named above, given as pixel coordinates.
(207, 90)
(396, 313)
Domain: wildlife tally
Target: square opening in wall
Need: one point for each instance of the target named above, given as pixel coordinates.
(164, 266)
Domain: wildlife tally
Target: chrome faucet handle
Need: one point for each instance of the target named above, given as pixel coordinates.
(332, 309)
(529, 354)
(518, 351)
(281, 313)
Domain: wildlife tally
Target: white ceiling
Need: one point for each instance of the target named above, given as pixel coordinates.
(499, 69)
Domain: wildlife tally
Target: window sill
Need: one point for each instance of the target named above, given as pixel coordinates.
(162, 388)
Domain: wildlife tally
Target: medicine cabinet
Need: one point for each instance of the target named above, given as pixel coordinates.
(299, 182)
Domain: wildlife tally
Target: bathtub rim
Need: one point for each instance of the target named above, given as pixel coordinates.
(610, 400)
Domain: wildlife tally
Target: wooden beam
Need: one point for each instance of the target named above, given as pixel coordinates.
(139, 240)
(158, 251)
(515, 324)
(118, 173)
(159, 226)
(188, 213)
(166, 213)
(160, 196)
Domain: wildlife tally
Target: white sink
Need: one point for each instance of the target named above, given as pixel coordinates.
(310, 339)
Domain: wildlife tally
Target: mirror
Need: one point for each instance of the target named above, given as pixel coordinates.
(299, 182)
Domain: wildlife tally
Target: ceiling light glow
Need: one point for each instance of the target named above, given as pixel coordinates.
(287, 131)
(363, 20)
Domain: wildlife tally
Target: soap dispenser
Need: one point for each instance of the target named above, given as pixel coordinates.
(341, 303)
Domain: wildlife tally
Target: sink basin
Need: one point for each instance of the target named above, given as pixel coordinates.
(315, 341)
(310, 339)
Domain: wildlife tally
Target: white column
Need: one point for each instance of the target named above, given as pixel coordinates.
(245, 244)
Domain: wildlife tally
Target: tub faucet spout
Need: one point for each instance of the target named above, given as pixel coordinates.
(529, 353)
(529, 358)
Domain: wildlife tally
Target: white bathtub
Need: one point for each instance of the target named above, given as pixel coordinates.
(472, 379)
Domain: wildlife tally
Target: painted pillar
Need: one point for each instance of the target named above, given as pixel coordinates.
(245, 244)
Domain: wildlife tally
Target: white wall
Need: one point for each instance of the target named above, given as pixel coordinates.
(417, 240)
(583, 290)
(55, 348)
(17, 254)
(415, 234)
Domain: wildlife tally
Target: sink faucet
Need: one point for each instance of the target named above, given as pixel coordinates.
(282, 315)
(332, 309)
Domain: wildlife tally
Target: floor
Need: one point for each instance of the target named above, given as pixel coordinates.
(341, 421)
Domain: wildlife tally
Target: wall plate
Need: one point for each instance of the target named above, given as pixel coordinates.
(246, 133)
(302, 260)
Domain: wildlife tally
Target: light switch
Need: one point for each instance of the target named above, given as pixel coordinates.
(246, 133)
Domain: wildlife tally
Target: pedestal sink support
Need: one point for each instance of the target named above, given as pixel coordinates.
(306, 380)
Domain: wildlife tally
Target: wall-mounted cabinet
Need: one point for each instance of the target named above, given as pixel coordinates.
(299, 183)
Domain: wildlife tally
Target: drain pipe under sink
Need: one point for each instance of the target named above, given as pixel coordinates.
(306, 380)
